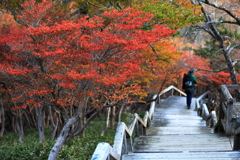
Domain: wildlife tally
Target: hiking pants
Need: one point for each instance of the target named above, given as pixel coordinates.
(189, 98)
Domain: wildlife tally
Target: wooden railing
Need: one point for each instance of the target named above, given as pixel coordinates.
(202, 109)
(225, 119)
(225, 115)
(123, 138)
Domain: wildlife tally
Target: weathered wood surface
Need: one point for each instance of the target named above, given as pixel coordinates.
(182, 142)
(124, 134)
(227, 96)
(233, 86)
(178, 133)
(122, 140)
(184, 156)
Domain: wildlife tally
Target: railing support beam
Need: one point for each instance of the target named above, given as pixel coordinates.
(236, 144)
(229, 119)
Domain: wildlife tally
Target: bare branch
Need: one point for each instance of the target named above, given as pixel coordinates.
(231, 14)
(219, 22)
(231, 48)
(158, 57)
(119, 6)
(97, 5)
(205, 29)
(200, 69)
(193, 2)
(214, 30)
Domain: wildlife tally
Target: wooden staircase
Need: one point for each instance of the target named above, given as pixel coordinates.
(178, 133)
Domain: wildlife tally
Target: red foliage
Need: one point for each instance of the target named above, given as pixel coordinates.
(64, 62)
(204, 70)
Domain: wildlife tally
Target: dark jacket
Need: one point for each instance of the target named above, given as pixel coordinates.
(191, 77)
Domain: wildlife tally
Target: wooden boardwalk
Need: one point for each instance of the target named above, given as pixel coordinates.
(178, 133)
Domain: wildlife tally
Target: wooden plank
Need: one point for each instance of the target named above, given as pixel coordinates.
(178, 130)
(171, 88)
(184, 155)
(223, 122)
(227, 95)
(181, 135)
(228, 128)
(177, 122)
(187, 142)
(103, 150)
(220, 128)
(233, 86)
(205, 111)
(214, 119)
(224, 108)
(236, 145)
(119, 138)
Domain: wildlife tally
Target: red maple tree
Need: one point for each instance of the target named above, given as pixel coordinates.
(63, 66)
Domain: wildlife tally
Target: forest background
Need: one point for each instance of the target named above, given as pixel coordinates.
(65, 62)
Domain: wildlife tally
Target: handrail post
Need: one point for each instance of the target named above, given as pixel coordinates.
(136, 130)
(124, 146)
(236, 144)
(214, 118)
(140, 129)
(229, 118)
(159, 98)
(219, 128)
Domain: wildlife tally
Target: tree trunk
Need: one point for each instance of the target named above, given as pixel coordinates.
(113, 116)
(2, 119)
(55, 128)
(85, 123)
(27, 119)
(40, 123)
(120, 113)
(232, 74)
(13, 124)
(53, 117)
(19, 127)
(21, 122)
(81, 130)
(216, 35)
(34, 118)
(107, 122)
(62, 138)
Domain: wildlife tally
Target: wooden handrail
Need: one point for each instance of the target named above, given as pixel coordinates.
(236, 144)
(228, 97)
(202, 110)
(233, 86)
(123, 141)
(226, 110)
(225, 114)
(172, 88)
(197, 101)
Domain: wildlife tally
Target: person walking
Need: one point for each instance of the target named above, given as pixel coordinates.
(189, 82)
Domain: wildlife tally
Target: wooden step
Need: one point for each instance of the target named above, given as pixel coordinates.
(178, 130)
(225, 155)
(179, 133)
(184, 142)
(176, 122)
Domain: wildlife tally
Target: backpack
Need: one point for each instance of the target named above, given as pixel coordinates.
(188, 84)
(188, 87)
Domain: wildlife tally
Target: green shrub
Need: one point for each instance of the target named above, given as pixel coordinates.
(141, 113)
(79, 148)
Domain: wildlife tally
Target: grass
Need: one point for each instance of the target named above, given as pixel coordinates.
(79, 148)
